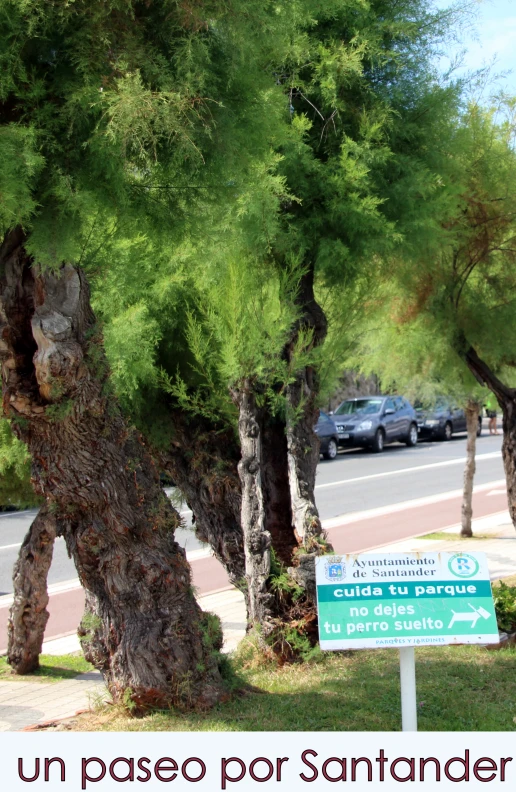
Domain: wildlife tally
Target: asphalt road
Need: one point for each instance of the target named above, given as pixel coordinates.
(356, 481)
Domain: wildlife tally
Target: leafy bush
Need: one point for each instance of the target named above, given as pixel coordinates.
(505, 607)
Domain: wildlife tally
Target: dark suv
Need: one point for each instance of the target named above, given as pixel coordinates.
(374, 421)
(442, 420)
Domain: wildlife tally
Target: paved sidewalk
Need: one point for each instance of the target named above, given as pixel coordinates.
(27, 703)
(499, 546)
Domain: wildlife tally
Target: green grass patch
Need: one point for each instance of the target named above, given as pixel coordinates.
(352, 691)
(51, 669)
(452, 537)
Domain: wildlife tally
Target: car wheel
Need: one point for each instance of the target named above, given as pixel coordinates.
(332, 450)
(379, 441)
(479, 427)
(447, 431)
(411, 440)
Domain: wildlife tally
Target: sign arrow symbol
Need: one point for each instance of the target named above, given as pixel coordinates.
(472, 617)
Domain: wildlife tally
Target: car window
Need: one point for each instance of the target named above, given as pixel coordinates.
(389, 404)
(324, 417)
(399, 403)
(367, 406)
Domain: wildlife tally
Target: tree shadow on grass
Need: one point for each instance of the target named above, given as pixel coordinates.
(457, 689)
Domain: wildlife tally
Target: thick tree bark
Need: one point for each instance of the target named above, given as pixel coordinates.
(257, 540)
(472, 409)
(276, 489)
(277, 471)
(509, 451)
(28, 615)
(145, 630)
(507, 399)
(302, 415)
(202, 461)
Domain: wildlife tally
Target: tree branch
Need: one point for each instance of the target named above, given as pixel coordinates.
(485, 376)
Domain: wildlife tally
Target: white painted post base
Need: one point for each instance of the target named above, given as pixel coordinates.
(408, 689)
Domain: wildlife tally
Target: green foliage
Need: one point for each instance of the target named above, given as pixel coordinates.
(90, 623)
(15, 487)
(197, 159)
(60, 411)
(131, 111)
(21, 163)
(328, 162)
(458, 288)
(505, 606)
(299, 643)
(130, 342)
(406, 353)
(281, 583)
(128, 702)
(211, 631)
(244, 319)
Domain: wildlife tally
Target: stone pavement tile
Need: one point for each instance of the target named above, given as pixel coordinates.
(67, 644)
(26, 703)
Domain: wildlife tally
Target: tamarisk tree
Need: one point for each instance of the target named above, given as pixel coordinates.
(462, 285)
(365, 108)
(360, 110)
(104, 108)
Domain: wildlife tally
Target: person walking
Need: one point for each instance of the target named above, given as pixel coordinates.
(491, 411)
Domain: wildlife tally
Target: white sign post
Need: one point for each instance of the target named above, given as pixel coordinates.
(408, 689)
(403, 600)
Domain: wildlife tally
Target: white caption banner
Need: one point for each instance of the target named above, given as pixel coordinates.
(256, 761)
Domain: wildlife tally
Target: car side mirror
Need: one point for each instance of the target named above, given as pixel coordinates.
(389, 411)
(331, 412)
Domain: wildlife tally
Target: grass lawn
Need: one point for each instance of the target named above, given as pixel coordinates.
(352, 691)
(51, 669)
(452, 537)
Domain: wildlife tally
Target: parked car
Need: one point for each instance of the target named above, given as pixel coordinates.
(375, 421)
(442, 420)
(328, 436)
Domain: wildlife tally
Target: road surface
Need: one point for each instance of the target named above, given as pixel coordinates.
(365, 500)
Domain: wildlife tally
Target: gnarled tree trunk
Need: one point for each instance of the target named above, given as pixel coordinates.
(302, 415)
(28, 615)
(202, 461)
(276, 488)
(257, 539)
(303, 443)
(277, 471)
(472, 409)
(144, 630)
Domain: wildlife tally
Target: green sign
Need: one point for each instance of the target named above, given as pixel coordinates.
(377, 600)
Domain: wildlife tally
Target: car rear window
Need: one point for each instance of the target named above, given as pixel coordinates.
(367, 406)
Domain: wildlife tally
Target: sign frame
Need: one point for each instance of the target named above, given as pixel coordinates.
(381, 600)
